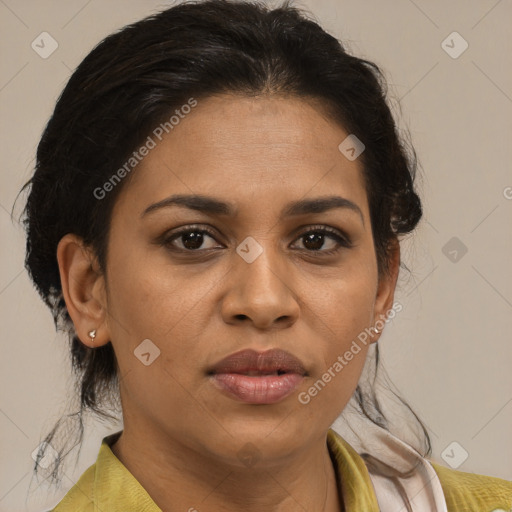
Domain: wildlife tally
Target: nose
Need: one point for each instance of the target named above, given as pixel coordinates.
(261, 293)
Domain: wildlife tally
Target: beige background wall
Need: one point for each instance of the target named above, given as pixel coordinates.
(449, 351)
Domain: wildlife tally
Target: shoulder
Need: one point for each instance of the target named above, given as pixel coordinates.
(471, 492)
(80, 497)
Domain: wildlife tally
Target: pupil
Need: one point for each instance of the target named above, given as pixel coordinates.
(312, 237)
(192, 240)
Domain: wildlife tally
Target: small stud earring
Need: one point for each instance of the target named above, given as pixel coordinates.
(92, 335)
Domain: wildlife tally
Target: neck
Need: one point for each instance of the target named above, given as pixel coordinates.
(178, 478)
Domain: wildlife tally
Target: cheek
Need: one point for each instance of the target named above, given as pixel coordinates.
(341, 318)
(345, 304)
(327, 393)
(344, 349)
(159, 302)
(149, 295)
(345, 355)
(147, 302)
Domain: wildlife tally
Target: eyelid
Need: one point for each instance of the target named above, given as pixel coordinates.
(170, 235)
(326, 229)
(344, 240)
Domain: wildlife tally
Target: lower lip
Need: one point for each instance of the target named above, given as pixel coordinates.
(264, 389)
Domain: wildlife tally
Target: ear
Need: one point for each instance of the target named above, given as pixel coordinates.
(386, 292)
(83, 288)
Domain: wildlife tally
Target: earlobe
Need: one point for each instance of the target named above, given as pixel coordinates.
(83, 289)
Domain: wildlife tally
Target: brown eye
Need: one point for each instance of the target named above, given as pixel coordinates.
(190, 239)
(315, 240)
(322, 240)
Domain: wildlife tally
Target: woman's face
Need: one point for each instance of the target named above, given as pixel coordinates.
(201, 297)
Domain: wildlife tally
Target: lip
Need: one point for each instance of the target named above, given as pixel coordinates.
(258, 377)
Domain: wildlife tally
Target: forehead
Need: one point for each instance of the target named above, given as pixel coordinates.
(249, 149)
(270, 124)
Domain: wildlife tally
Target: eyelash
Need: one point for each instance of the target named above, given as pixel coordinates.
(343, 239)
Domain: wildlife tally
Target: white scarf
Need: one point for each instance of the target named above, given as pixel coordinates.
(423, 489)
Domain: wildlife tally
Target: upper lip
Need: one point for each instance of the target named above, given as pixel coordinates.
(270, 361)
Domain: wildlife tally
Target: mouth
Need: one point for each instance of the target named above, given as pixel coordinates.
(258, 377)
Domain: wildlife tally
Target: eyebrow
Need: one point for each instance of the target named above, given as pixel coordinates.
(213, 206)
